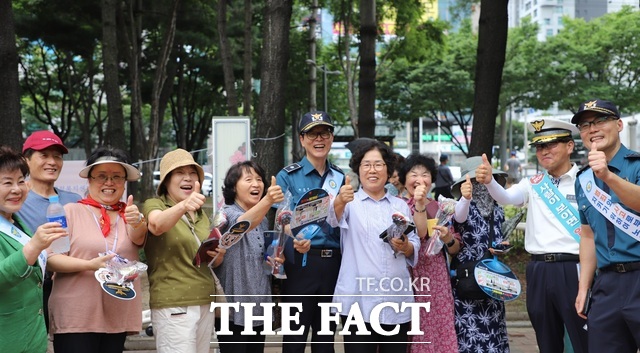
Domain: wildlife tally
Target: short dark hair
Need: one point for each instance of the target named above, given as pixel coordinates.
(387, 155)
(11, 160)
(416, 159)
(234, 174)
(108, 151)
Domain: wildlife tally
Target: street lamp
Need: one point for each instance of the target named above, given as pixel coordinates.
(323, 68)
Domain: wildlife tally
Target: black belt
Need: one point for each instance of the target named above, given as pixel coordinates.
(324, 252)
(622, 267)
(556, 258)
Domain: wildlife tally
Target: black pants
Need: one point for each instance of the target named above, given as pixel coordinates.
(376, 343)
(242, 343)
(318, 277)
(89, 342)
(47, 286)
(551, 295)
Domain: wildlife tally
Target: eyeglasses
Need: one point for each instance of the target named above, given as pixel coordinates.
(549, 145)
(367, 166)
(101, 178)
(597, 122)
(314, 135)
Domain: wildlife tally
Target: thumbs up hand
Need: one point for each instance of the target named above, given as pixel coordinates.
(132, 215)
(484, 171)
(195, 200)
(598, 162)
(274, 192)
(346, 193)
(466, 188)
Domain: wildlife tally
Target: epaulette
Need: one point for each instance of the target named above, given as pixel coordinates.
(292, 167)
(634, 155)
(582, 170)
(333, 166)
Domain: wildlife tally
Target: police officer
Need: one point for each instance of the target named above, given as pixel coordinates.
(551, 235)
(319, 275)
(609, 206)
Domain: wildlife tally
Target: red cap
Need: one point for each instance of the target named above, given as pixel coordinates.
(40, 140)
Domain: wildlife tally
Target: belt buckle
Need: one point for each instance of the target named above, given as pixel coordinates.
(620, 268)
(549, 258)
(326, 253)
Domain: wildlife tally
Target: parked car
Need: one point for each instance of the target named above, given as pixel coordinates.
(207, 185)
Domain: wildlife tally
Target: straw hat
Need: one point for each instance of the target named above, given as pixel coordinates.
(469, 167)
(176, 159)
(133, 174)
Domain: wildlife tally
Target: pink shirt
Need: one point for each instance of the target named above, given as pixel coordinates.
(78, 303)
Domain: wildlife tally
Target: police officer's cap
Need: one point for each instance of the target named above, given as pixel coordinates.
(547, 130)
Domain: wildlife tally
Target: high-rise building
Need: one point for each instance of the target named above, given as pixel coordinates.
(548, 13)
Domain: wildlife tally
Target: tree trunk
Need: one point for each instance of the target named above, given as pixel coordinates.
(9, 85)
(147, 148)
(115, 122)
(275, 57)
(225, 57)
(247, 59)
(367, 78)
(492, 44)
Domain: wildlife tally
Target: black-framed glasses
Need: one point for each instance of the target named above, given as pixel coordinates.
(597, 122)
(116, 179)
(314, 134)
(376, 166)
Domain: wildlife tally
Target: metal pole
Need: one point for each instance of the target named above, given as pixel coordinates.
(324, 83)
(312, 56)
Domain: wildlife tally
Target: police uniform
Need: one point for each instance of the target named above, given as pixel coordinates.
(614, 319)
(552, 273)
(320, 273)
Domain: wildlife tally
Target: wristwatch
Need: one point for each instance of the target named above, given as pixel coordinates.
(450, 244)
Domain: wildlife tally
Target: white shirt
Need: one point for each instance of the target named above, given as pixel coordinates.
(368, 265)
(544, 233)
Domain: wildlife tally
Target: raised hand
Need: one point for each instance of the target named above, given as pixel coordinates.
(274, 192)
(346, 191)
(131, 213)
(466, 188)
(46, 234)
(195, 199)
(598, 162)
(420, 194)
(484, 171)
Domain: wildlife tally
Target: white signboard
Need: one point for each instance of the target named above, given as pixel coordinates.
(231, 144)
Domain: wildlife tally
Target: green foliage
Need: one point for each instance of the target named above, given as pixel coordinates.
(599, 58)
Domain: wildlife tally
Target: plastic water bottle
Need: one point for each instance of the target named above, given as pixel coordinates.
(268, 269)
(55, 213)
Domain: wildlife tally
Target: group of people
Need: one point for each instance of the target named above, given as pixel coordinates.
(582, 233)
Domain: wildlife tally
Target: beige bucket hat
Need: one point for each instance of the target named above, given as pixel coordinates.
(176, 159)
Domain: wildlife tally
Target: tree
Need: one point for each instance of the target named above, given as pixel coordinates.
(275, 54)
(492, 42)
(367, 77)
(592, 59)
(405, 94)
(9, 86)
(115, 124)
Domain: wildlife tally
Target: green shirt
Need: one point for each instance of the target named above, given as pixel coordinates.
(173, 279)
(22, 326)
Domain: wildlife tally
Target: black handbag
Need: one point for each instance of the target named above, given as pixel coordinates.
(463, 279)
(465, 283)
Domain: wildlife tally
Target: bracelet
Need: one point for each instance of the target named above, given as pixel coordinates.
(451, 243)
(141, 220)
(420, 211)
